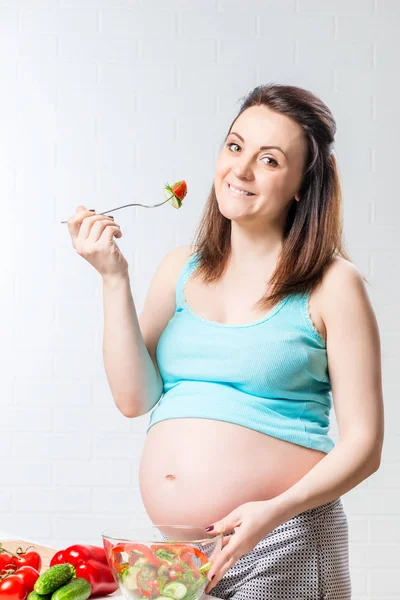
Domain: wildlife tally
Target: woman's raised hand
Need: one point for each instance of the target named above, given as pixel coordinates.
(93, 238)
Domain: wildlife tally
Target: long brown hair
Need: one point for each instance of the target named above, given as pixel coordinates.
(313, 233)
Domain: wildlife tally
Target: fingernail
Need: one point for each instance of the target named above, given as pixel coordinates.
(212, 577)
(210, 528)
(92, 210)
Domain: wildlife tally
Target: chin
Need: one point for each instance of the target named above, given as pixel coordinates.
(232, 212)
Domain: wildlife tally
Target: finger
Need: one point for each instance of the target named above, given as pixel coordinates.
(108, 233)
(90, 227)
(220, 574)
(225, 540)
(221, 560)
(103, 232)
(75, 221)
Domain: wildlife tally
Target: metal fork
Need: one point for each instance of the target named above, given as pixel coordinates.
(125, 206)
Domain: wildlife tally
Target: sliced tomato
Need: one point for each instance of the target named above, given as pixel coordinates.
(145, 581)
(180, 189)
(156, 588)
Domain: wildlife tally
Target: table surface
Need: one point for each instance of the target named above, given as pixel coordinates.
(4, 536)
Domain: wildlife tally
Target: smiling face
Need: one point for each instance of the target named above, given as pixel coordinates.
(273, 175)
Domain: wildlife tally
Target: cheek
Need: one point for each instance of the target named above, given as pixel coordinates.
(221, 167)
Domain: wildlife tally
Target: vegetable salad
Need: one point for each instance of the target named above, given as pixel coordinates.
(163, 571)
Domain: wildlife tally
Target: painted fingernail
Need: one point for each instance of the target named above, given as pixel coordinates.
(212, 577)
(92, 210)
(210, 528)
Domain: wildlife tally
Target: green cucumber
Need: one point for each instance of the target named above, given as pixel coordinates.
(76, 589)
(54, 578)
(141, 562)
(175, 590)
(172, 198)
(129, 577)
(206, 567)
(35, 596)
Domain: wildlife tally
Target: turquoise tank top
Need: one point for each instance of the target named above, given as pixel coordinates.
(270, 375)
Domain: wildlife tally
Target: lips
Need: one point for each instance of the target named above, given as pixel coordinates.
(229, 186)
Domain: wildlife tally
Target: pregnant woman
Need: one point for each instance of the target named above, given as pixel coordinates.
(244, 340)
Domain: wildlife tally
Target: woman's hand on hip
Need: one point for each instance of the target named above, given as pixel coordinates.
(251, 521)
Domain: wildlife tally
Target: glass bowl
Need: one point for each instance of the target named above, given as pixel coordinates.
(163, 562)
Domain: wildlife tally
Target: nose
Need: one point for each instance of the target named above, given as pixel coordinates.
(242, 170)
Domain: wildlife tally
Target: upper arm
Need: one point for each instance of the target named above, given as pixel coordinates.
(160, 303)
(354, 354)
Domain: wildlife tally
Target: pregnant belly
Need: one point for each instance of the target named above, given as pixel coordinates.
(196, 471)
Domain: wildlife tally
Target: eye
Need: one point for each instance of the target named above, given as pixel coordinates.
(235, 144)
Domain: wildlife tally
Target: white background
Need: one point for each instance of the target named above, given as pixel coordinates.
(102, 102)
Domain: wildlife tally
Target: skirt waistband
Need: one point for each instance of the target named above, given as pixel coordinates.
(306, 516)
(322, 509)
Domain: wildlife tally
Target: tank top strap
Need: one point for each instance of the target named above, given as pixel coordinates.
(188, 268)
(304, 301)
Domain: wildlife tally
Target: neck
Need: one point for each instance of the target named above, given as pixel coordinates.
(250, 251)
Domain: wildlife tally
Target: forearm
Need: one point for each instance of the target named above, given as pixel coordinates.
(134, 382)
(342, 469)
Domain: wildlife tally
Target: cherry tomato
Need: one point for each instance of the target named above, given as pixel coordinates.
(5, 560)
(28, 559)
(28, 576)
(12, 588)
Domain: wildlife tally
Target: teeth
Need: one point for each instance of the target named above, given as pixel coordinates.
(236, 191)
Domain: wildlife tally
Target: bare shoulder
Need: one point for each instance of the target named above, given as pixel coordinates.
(177, 259)
(342, 281)
(339, 272)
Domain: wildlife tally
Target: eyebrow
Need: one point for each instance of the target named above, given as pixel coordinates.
(261, 147)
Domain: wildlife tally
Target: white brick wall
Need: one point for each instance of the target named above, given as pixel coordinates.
(102, 102)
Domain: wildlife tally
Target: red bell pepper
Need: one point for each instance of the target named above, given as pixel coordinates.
(79, 551)
(98, 575)
(135, 551)
(91, 564)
